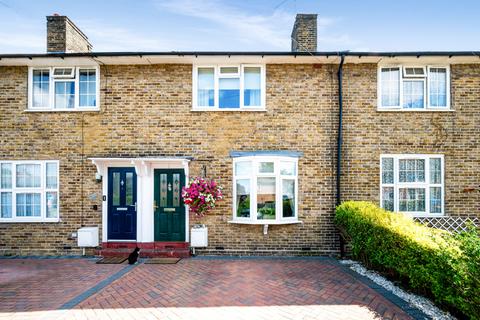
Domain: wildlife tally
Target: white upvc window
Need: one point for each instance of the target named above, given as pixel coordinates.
(229, 87)
(414, 88)
(63, 88)
(265, 189)
(29, 191)
(412, 184)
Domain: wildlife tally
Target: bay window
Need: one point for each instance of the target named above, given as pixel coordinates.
(29, 191)
(63, 89)
(412, 184)
(265, 189)
(414, 88)
(238, 87)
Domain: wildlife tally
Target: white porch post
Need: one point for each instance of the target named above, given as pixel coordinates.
(147, 206)
(187, 215)
(144, 200)
(102, 170)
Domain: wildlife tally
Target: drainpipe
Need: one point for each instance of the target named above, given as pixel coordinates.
(339, 141)
(340, 120)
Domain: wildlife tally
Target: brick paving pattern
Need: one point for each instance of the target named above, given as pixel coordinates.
(201, 289)
(46, 284)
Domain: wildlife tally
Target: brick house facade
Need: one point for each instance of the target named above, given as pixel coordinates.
(144, 117)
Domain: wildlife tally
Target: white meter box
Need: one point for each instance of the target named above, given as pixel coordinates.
(87, 237)
(199, 236)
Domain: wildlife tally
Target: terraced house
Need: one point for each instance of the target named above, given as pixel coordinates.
(106, 140)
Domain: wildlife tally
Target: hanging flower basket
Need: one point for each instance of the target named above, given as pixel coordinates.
(201, 195)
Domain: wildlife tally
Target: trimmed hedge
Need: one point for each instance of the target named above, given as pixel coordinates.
(444, 266)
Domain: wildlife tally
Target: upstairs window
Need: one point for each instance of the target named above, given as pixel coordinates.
(412, 184)
(414, 88)
(63, 88)
(239, 87)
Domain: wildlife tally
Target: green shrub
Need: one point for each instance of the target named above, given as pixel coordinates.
(443, 266)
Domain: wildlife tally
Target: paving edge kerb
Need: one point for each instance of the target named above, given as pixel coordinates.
(399, 302)
(50, 257)
(96, 288)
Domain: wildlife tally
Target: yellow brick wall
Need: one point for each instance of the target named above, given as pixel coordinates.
(369, 133)
(146, 111)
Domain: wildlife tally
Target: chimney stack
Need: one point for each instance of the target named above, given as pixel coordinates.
(304, 33)
(63, 36)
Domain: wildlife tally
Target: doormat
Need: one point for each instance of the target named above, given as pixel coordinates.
(162, 260)
(112, 260)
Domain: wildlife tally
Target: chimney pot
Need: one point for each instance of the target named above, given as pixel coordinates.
(304, 33)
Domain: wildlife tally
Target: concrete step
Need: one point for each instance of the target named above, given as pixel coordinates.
(145, 245)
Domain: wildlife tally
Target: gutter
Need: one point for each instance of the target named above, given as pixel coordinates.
(340, 126)
(246, 53)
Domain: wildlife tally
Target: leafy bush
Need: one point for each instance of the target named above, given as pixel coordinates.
(443, 266)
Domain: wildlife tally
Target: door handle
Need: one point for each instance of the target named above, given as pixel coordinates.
(135, 207)
(155, 207)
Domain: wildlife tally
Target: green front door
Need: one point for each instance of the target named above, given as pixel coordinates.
(169, 210)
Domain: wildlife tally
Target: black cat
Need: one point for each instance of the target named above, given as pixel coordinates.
(133, 257)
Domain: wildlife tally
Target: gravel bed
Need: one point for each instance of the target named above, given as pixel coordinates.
(415, 301)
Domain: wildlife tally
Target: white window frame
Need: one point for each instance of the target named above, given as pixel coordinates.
(397, 185)
(54, 79)
(42, 190)
(52, 91)
(405, 75)
(65, 76)
(447, 107)
(229, 75)
(427, 107)
(414, 79)
(217, 76)
(253, 176)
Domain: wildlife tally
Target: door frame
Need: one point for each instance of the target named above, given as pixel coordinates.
(176, 170)
(166, 165)
(108, 204)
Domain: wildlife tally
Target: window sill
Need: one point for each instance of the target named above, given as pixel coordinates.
(64, 110)
(413, 110)
(273, 222)
(423, 215)
(229, 109)
(29, 220)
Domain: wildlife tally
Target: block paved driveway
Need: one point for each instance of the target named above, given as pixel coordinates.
(198, 288)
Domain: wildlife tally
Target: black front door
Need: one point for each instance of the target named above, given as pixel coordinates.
(169, 210)
(122, 204)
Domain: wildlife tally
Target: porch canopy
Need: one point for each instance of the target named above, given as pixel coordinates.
(142, 165)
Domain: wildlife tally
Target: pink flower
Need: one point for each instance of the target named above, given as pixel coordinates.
(201, 195)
